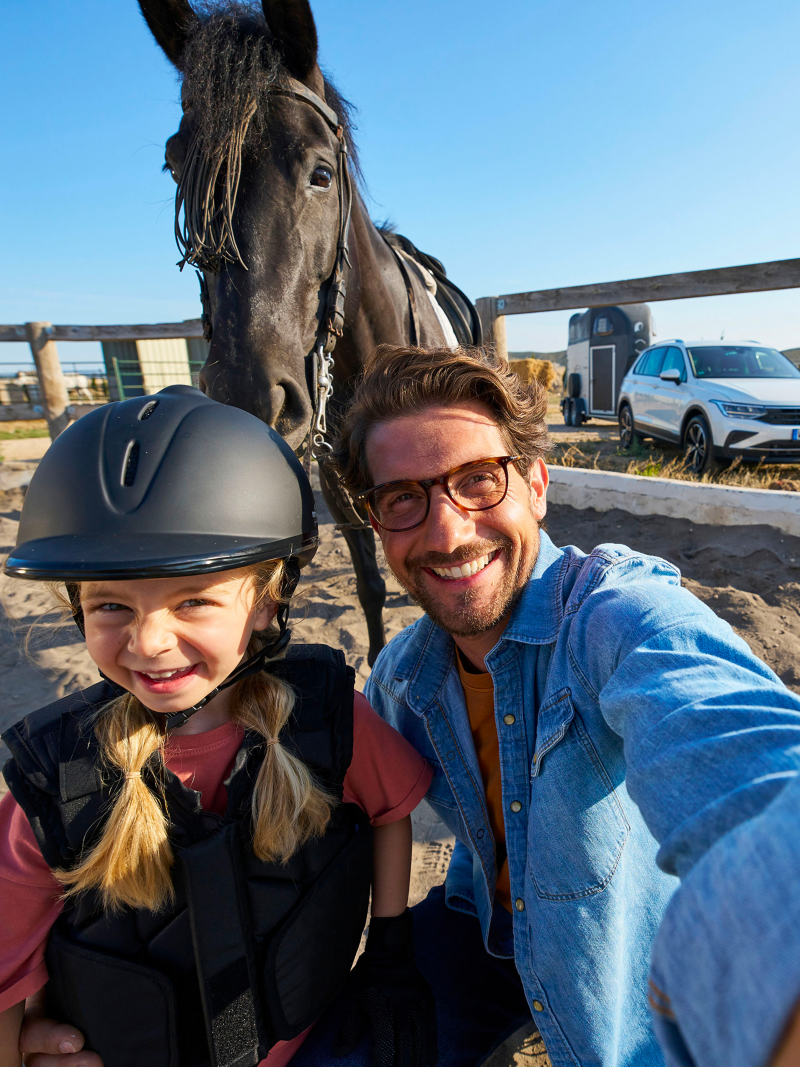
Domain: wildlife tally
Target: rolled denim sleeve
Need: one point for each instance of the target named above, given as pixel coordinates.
(726, 961)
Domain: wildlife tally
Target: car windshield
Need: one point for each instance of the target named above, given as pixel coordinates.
(740, 361)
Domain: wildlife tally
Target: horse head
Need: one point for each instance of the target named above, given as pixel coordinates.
(259, 204)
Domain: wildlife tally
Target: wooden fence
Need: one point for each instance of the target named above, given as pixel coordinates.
(42, 338)
(722, 281)
(751, 278)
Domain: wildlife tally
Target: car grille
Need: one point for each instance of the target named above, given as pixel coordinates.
(781, 416)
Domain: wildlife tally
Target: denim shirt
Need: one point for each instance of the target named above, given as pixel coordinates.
(635, 729)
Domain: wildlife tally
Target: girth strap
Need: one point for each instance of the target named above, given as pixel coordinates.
(223, 948)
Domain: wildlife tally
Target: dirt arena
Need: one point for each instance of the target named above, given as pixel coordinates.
(748, 575)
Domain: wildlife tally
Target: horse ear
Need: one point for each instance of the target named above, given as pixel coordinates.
(294, 33)
(170, 22)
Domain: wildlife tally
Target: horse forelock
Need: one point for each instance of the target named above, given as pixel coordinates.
(227, 70)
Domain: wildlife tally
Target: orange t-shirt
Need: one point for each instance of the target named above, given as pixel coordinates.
(479, 695)
(387, 779)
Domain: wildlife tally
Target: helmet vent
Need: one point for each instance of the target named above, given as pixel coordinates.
(130, 464)
(148, 410)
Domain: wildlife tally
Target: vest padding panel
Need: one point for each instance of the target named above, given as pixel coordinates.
(310, 935)
(128, 1010)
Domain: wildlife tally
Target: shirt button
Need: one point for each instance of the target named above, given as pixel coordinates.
(538, 1006)
(451, 755)
(519, 904)
(509, 720)
(516, 806)
(480, 833)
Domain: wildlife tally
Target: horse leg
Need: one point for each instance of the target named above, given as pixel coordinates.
(370, 586)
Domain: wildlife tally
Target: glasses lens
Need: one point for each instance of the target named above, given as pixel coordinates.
(399, 506)
(479, 486)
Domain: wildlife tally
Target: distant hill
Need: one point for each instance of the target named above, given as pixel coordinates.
(791, 353)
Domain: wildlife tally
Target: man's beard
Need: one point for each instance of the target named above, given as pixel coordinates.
(468, 617)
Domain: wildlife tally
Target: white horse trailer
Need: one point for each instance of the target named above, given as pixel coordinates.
(603, 343)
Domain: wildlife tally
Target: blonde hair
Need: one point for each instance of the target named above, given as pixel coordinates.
(131, 863)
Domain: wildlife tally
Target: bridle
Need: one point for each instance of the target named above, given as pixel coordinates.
(331, 325)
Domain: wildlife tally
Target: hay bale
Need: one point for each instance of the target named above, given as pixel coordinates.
(539, 370)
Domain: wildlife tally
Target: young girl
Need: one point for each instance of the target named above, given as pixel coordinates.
(187, 849)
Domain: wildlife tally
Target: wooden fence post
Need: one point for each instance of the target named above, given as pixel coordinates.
(494, 324)
(53, 388)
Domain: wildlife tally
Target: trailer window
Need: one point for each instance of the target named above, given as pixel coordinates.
(603, 326)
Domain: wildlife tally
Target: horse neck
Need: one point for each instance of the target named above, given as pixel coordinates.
(377, 302)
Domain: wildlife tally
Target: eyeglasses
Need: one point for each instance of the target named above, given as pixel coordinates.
(402, 505)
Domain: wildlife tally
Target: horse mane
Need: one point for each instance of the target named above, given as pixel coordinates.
(228, 67)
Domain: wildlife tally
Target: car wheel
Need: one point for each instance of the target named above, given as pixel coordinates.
(698, 447)
(627, 435)
(570, 415)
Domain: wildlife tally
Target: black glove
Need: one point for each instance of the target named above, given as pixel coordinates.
(388, 994)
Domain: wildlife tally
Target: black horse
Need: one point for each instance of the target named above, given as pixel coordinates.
(291, 262)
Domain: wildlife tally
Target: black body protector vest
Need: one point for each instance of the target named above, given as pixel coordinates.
(250, 953)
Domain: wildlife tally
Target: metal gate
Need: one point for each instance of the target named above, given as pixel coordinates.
(601, 379)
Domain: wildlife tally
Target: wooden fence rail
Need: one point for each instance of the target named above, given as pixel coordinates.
(42, 337)
(148, 332)
(722, 281)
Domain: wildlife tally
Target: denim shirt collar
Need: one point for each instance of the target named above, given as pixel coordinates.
(429, 655)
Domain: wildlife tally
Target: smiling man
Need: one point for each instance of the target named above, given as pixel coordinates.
(593, 727)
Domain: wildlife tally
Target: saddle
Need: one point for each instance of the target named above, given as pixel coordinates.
(456, 305)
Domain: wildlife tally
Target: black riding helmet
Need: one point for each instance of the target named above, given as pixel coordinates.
(163, 485)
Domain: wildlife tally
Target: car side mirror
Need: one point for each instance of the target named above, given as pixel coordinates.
(671, 375)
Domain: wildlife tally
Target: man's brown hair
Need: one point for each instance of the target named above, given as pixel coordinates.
(400, 381)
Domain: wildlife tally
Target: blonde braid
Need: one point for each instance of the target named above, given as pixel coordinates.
(130, 864)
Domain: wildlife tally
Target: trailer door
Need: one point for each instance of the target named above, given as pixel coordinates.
(601, 379)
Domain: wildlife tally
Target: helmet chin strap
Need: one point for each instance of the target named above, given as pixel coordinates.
(253, 665)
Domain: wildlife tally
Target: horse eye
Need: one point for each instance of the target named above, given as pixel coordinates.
(322, 177)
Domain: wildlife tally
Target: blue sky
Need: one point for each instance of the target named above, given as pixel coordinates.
(528, 145)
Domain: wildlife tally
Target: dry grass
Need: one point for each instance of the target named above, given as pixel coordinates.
(660, 463)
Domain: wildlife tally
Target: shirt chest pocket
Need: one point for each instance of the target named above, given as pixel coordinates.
(577, 828)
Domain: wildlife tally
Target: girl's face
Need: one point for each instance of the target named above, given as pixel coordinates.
(170, 641)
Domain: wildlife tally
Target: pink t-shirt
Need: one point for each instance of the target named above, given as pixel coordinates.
(387, 778)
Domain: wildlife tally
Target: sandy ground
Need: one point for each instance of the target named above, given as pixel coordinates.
(26, 448)
(748, 575)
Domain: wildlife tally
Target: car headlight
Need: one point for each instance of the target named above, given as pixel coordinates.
(740, 411)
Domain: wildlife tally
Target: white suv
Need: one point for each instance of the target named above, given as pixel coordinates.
(717, 400)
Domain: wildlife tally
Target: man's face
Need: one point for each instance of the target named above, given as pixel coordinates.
(503, 541)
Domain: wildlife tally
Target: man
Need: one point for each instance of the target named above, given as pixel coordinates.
(593, 728)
